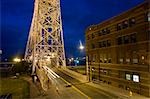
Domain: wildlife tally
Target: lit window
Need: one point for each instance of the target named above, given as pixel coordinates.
(149, 17)
(100, 33)
(108, 31)
(128, 60)
(104, 31)
(136, 78)
(118, 26)
(125, 24)
(135, 61)
(121, 60)
(142, 57)
(128, 77)
(105, 60)
(131, 21)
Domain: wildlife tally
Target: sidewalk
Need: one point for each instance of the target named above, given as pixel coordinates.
(36, 91)
(123, 94)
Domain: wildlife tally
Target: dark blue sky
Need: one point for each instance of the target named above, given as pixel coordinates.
(77, 15)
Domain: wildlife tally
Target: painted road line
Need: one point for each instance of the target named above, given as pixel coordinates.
(75, 88)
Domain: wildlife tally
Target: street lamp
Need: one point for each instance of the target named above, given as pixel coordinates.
(17, 60)
(81, 47)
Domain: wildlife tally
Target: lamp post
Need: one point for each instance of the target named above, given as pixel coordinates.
(81, 47)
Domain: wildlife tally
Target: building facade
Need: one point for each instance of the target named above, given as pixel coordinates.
(118, 50)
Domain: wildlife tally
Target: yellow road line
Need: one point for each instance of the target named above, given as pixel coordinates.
(75, 88)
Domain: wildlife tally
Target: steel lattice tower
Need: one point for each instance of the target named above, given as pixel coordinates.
(45, 42)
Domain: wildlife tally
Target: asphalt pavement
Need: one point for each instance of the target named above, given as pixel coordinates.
(86, 90)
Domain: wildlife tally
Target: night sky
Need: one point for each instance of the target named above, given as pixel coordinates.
(77, 15)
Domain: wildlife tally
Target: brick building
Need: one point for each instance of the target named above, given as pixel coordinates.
(118, 50)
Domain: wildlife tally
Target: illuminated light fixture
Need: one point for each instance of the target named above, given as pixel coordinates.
(0, 51)
(142, 57)
(72, 59)
(81, 47)
(17, 60)
(77, 61)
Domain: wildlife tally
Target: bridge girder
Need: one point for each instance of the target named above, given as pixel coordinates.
(45, 41)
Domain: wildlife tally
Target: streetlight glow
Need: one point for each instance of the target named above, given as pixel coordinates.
(17, 60)
(81, 47)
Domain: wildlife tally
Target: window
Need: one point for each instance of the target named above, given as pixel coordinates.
(135, 61)
(105, 71)
(121, 60)
(109, 82)
(128, 76)
(104, 31)
(101, 60)
(128, 60)
(93, 35)
(125, 24)
(109, 60)
(100, 33)
(119, 40)
(126, 39)
(104, 43)
(100, 44)
(131, 21)
(107, 30)
(118, 26)
(93, 58)
(93, 46)
(142, 57)
(136, 78)
(108, 43)
(105, 60)
(148, 17)
(133, 38)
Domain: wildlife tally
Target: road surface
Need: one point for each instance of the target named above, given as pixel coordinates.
(84, 89)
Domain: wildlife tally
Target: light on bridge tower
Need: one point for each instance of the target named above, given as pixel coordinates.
(46, 35)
